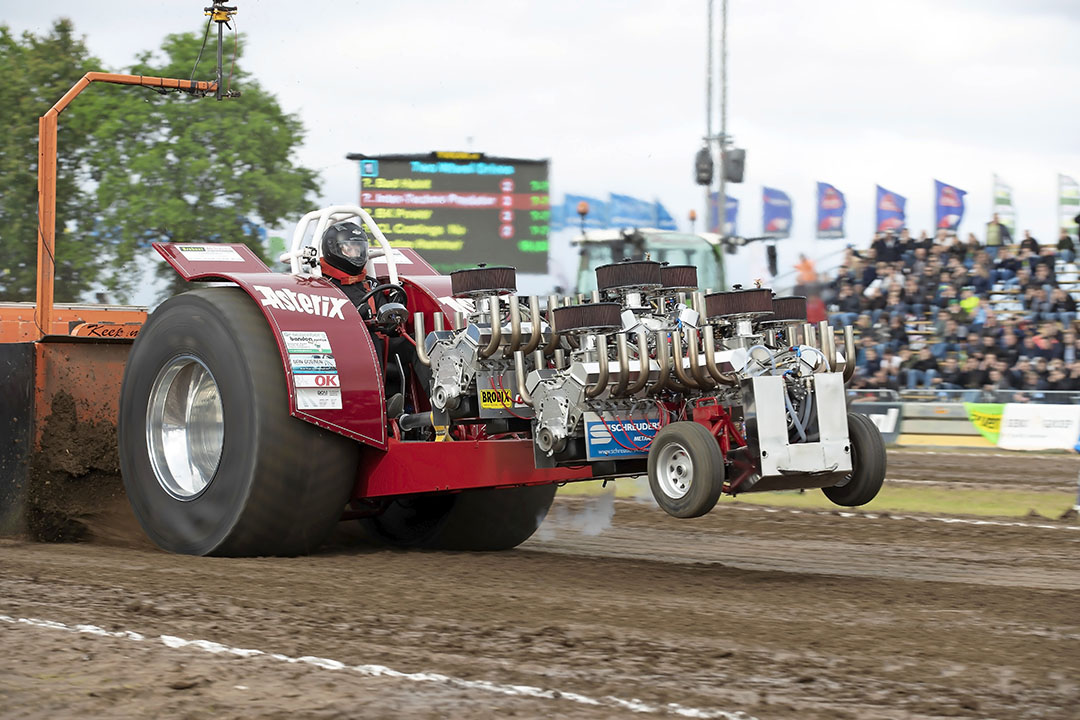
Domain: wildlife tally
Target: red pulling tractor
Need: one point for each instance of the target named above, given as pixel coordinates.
(260, 409)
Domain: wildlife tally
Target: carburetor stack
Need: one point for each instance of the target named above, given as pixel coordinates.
(618, 379)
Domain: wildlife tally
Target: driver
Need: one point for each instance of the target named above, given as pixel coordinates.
(344, 263)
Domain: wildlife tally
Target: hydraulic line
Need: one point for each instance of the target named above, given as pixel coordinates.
(772, 358)
(794, 417)
(825, 360)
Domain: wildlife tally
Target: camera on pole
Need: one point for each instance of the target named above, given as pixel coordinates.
(703, 166)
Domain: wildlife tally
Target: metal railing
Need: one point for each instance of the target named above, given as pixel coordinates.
(873, 395)
(1048, 397)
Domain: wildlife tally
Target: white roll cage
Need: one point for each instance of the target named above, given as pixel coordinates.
(297, 258)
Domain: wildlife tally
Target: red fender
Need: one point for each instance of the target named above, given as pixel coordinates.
(339, 387)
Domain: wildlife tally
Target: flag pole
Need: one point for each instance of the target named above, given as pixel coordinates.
(721, 194)
(708, 109)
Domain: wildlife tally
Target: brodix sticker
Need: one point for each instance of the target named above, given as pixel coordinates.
(499, 400)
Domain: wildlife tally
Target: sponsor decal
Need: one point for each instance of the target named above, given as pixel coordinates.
(464, 305)
(106, 330)
(321, 380)
(499, 399)
(306, 342)
(619, 437)
(318, 399)
(309, 303)
(313, 364)
(209, 253)
(399, 258)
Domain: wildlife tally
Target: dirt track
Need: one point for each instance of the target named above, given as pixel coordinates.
(771, 614)
(1030, 470)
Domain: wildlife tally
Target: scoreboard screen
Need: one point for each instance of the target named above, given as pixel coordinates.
(458, 209)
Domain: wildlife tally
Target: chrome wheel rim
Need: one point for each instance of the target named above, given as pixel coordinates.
(674, 471)
(185, 427)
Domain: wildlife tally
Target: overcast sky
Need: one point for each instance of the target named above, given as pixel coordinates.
(849, 92)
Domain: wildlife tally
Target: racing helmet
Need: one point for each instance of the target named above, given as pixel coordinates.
(345, 248)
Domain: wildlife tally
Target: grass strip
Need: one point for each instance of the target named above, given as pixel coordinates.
(992, 501)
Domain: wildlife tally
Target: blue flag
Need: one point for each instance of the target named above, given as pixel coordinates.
(948, 206)
(629, 212)
(890, 210)
(830, 212)
(730, 215)
(664, 221)
(597, 217)
(557, 218)
(775, 213)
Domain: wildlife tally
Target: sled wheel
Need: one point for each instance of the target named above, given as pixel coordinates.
(213, 464)
(867, 464)
(485, 519)
(686, 469)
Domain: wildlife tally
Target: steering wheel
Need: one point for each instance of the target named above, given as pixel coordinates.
(397, 294)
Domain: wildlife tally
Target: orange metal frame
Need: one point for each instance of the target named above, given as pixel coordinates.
(48, 319)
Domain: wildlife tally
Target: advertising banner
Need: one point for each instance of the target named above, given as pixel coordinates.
(885, 415)
(948, 206)
(595, 220)
(775, 213)
(730, 216)
(986, 417)
(830, 212)
(1003, 205)
(1068, 204)
(1030, 426)
(890, 210)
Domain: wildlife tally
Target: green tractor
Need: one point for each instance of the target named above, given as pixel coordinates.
(602, 247)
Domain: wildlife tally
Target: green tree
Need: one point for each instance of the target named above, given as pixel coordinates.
(184, 169)
(37, 71)
(136, 166)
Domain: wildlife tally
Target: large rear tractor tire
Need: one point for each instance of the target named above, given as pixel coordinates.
(686, 469)
(213, 463)
(486, 519)
(868, 462)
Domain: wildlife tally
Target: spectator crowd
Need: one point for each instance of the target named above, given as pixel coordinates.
(924, 319)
